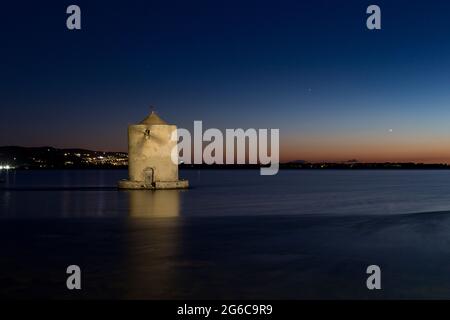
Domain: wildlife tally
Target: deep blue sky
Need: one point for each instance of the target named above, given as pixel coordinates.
(310, 68)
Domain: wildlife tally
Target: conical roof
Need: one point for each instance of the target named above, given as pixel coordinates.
(152, 119)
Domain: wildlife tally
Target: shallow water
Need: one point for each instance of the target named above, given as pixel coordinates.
(233, 235)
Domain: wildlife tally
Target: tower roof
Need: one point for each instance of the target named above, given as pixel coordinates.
(152, 119)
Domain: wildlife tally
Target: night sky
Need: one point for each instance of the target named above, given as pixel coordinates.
(335, 89)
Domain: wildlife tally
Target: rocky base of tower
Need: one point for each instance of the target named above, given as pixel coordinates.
(158, 185)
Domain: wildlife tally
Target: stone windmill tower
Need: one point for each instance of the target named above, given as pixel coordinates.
(150, 164)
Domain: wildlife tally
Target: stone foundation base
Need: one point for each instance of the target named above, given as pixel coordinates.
(127, 184)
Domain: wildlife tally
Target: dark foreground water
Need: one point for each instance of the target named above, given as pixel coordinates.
(234, 234)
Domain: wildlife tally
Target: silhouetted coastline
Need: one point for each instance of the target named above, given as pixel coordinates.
(44, 158)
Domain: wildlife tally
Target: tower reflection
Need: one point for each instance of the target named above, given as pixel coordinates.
(153, 244)
(154, 204)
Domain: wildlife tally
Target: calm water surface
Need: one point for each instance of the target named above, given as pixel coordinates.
(234, 234)
(92, 193)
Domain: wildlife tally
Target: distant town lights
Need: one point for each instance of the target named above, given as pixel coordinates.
(5, 167)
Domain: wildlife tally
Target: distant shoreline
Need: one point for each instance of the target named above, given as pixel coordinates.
(315, 167)
(49, 158)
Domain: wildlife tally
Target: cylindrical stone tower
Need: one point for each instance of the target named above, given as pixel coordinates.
(150, 164)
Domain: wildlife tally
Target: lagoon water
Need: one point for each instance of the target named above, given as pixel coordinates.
(92, 193)
(234, 234)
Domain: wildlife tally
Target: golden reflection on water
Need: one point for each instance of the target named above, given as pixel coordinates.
(154, 204)
(153, 244)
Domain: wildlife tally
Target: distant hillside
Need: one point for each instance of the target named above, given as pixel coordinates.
(49, 157)
(53, 158)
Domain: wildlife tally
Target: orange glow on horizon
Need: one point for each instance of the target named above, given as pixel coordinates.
(366, 149)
